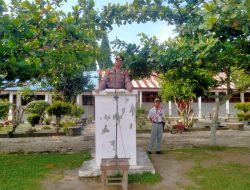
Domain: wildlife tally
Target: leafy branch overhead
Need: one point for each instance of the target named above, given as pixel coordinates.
(40, 42)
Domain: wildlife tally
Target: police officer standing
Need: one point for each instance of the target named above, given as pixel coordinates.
(116, 77)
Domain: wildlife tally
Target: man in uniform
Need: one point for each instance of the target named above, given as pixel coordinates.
(155, 115)
(116, 77)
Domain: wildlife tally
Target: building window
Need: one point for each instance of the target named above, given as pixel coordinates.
(88, 100)
(4, 97)
(149, 96)
(247, 97)
(209, 98)
(235, 98)
(35, 97)
(39, 97)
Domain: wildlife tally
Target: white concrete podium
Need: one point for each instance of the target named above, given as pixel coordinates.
(105, 118)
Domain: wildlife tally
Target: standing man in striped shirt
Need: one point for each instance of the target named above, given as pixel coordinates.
(155, 115)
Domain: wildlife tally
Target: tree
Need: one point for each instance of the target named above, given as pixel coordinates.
(224, 45)
(218, 31)
(17, 111)
(184, 79)
(104, 59)
(137, 56)
(40, 42)
(59, 109)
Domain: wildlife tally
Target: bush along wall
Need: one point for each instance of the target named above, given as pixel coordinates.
(245, 107)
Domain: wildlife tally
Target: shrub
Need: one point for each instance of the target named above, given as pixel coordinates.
(4, 109)
(47, 121)
(68, 124)
(33, 119)
(77, 111)
(141, 117)
(244, 106)
(243, 116)
(37, 107)
(59, 109)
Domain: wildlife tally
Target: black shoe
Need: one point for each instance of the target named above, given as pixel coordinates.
(149, 152)
(158, 152)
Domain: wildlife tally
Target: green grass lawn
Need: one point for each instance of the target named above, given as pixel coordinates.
(4, 130)
(222, 173)
(212, 168)
(145, 177)
(25, 171)
(228, 176)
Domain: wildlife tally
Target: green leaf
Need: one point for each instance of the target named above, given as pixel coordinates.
(245, 29)
(207, 7)
(213, 19)
(27, 4)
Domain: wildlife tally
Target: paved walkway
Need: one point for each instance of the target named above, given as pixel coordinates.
(49, 144)
(86, 141)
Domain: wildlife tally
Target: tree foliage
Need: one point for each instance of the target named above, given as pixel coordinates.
(59, 109)
(213, 37)
(33, 119)
(104, 59)
(40, 42)
(37, 107)
(4, 109)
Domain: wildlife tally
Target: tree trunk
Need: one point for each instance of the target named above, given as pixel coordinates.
(214, 122)
(58, 123)
(18, 116)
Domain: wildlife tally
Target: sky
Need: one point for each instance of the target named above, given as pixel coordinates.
(129, 33)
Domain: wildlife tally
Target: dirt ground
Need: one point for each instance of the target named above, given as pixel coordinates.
(172, 170)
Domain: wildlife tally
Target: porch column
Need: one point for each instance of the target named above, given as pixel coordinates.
(46, 97)
(50, 98)
(79, 100)
(170, 108)
(199, 108)
(227, 108)
(242, 97)
(140, 98)
(18, 100)
(217, 94)
(11, 108)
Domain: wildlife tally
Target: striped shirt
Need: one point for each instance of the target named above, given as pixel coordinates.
(156, 114)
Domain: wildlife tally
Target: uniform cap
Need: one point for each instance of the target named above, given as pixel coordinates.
(157, 99)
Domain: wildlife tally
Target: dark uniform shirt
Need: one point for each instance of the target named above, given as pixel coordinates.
(115, 80)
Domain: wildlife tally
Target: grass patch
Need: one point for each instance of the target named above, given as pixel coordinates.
(144, 178)
(204, 152)
(24, 171)
(147, 126)
(4, 130)
(229, 176)
(221, 175)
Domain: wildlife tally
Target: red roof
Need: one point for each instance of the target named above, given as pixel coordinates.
(146, 83)
(152, 82)
(221, 77)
